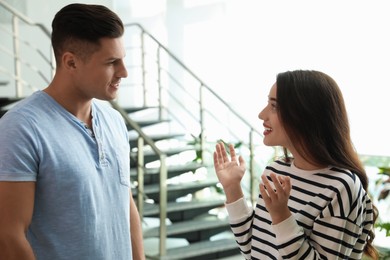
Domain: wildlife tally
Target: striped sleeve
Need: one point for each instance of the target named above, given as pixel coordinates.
(241, 217)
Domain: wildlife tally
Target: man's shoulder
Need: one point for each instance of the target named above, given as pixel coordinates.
(34, 98)
(26, 108)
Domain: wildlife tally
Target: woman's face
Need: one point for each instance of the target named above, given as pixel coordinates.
(274, 133)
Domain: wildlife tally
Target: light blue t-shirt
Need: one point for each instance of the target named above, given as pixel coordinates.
(82, 197)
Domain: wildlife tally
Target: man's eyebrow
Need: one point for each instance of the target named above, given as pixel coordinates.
(112, 58)
(272, 99)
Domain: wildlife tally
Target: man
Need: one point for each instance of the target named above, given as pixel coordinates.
(64, 157)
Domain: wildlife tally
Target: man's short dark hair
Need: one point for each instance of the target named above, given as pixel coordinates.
(78, 28)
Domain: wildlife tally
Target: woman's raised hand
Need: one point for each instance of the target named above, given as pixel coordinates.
(229, 171)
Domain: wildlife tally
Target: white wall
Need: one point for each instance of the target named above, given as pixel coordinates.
(238, 46)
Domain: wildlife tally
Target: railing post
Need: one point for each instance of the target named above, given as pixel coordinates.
(17, 65)
(163, 205)
(140, 177)
(160, 106)
(143, 68)
(201, 116)
(252, 168)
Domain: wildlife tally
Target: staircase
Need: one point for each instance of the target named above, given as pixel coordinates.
(174, 121)
(194, 223)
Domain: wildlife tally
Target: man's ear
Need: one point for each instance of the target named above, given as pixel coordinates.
(69, 60)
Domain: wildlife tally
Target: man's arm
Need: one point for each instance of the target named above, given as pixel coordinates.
(137, 242)
(16, 208)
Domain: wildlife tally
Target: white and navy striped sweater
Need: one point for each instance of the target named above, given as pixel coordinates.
(331, 217)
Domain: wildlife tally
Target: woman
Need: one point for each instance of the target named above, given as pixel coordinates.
(313, 202)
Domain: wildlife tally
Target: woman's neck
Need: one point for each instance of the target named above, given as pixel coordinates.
(302, 163)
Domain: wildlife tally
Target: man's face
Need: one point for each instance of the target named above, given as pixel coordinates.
(99, 75)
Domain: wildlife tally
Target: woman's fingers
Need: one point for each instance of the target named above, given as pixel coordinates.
(242, 162)
(276, 195)
(222, 158)
(232, 152)
(264, 194)
(281, 185)
(218, 153)
(277, 180)
(216, 161)
(220, 150)
(286, 183)
(268, 188)
(222, 154)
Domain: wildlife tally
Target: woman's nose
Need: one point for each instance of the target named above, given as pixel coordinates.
(261, 115)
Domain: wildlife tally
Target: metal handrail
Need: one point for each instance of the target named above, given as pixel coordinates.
(24, 18)
(203, 84)
(202, 88)
(163, 173)
(16, 17)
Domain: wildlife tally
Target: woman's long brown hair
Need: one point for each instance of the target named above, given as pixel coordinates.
(313, 113)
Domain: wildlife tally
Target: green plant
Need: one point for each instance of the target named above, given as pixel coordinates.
(235, 145)
(383, 184)
(199, 153)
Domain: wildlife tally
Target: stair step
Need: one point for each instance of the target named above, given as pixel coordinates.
(180, 211)
(146, 123)
(152, 175)
(193, 230)
(133, 140)
(201, 250)
(150, 156)
(2, 113)
(175, 191)
(130, 110)
(5, 101)
(3, 83)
